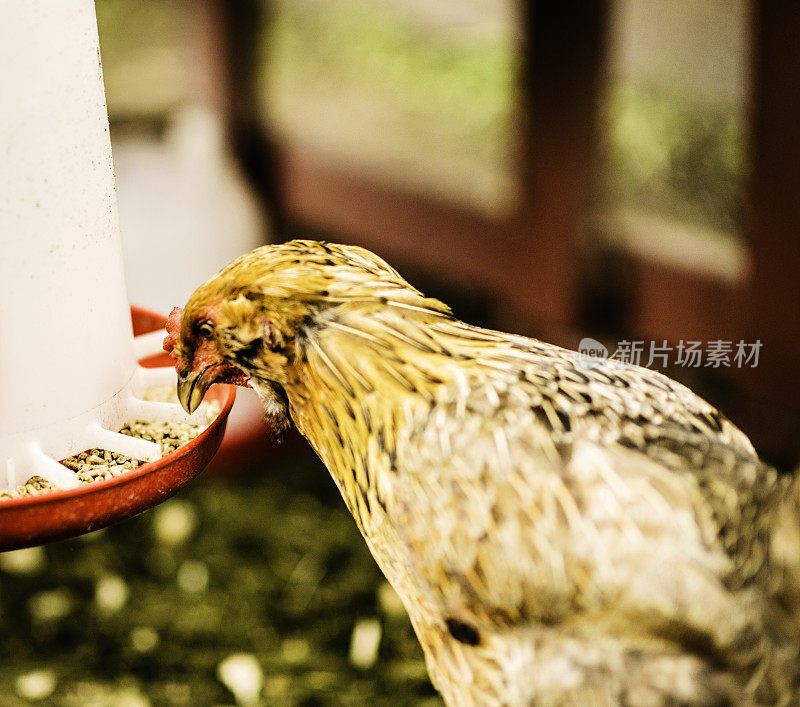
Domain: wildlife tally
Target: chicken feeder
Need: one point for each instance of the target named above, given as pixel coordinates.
(69, 371)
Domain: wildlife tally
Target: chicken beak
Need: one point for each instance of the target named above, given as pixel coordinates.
(192, 388)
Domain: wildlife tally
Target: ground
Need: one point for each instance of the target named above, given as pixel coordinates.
(145, 612)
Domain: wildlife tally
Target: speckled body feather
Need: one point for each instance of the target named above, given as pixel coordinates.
(559, 534)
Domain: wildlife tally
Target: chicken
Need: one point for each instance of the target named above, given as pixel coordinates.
(560, 534)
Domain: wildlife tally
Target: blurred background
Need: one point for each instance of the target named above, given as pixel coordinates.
(624, 170)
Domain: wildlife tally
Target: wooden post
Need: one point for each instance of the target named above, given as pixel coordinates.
(774, 298)
(563, 58)
(227, 39)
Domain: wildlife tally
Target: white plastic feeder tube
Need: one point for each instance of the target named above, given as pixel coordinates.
(68, 373)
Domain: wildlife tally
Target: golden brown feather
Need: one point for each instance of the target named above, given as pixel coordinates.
(559, 534)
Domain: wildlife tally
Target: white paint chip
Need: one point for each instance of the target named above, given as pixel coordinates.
(25, 563)
(174, 522)
(111, 594)
(364, 643)
(241, 673)
(36, 685)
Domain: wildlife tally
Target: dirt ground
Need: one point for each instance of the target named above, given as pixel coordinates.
(144, 613)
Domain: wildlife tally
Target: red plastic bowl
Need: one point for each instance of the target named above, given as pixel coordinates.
(52, 516)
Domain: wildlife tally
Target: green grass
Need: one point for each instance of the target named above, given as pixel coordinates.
(680, 159)
(364, 84)
(370, 84)
(144, 47)
(465, 83)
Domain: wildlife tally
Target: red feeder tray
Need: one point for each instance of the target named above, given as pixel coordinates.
(36, 520)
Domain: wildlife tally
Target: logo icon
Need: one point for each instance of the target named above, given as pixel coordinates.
(591, 353)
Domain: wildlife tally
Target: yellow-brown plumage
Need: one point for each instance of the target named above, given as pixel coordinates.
(559, 534)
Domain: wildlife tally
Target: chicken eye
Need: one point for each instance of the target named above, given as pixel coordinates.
(205, 330)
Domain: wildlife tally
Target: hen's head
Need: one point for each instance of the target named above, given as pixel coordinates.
(248, 322)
